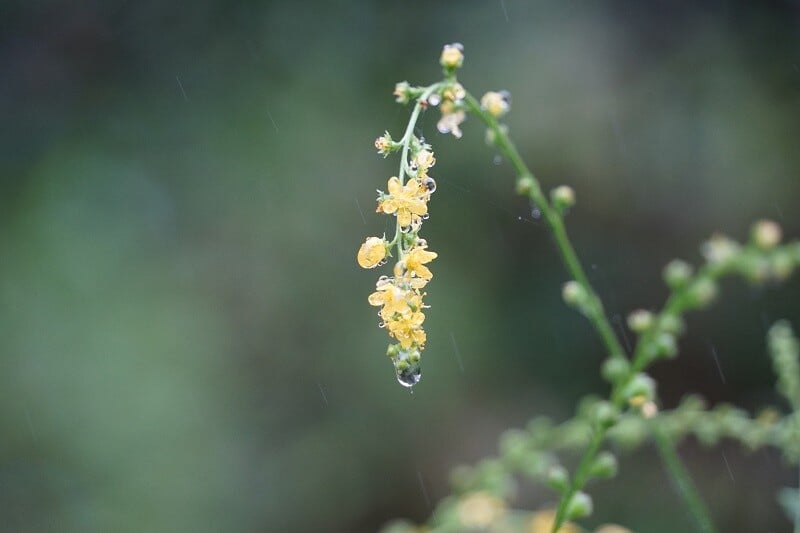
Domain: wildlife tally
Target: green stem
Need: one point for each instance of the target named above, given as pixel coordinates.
(406, 142)
(596, 315)
(553, 219)
(680, 476)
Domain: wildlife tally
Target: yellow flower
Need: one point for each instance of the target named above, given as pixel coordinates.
(408, 201)
(414, 263)
(395, 299)
(372, 252)
(390, 296)
(407, 329)
(496, 103)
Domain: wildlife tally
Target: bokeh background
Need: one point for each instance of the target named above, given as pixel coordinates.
(185, 342)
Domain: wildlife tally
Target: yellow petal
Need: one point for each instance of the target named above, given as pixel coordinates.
(372, 252)
(395, 188)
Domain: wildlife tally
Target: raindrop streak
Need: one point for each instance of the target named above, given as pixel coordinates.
(358, 206)
(273, 123)
(730, 472)
(457, 352)
(322, 392)
(178, 79)
(716, 360)
(618, 321)
(422, 488)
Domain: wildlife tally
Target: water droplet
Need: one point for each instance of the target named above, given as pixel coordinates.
(381, 325)
(536, 213)
(422, 243)
(434, 99)
(426, 216)
(409, 376)
(429, 184)
(497, 160)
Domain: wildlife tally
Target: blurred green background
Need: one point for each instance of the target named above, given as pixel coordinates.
(185, 342)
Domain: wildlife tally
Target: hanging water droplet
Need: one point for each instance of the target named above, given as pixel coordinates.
(381, 325)
(429, 184)
(536, 213)
(497, 160)
(426, 216)
(434, 99)
(422, 243)
(409, 376)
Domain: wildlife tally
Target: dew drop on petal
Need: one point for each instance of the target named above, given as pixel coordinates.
(434, 99)
(426, 216)
(429, 184)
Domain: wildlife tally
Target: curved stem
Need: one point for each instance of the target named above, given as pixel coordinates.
(596, 315)
(553, 219)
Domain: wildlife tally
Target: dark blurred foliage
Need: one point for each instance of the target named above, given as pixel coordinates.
(185, 339)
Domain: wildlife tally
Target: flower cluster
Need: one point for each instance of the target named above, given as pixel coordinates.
(400, 297)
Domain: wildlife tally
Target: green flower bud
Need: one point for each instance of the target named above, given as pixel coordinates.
(605, 414)
(579, 506)
(524, 185)
(640, 389)
(513, 446)
(576, 296)
(702, 292)
(604, 466)
(640, 321)
(782, 264)
(677, 273)
(766, 234)
(671, 323)
(666, 345)
(615, 369)
(557, 478)
(563, 198)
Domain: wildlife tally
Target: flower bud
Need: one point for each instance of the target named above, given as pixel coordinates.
(639, 389)
(766, 234)
(524, 185)
(557, 478)
(563, 197)
(496, 103)
(719, 249)
(640, 320)
(452, 56)
(385, 145)
(605, 414)
(702, 292)
(372, 252)
(671, 323)
(579, 506)
(666, 345)
(677, 273)
(574, 294)
(615, 369)
(604, 466)
(402, 92)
